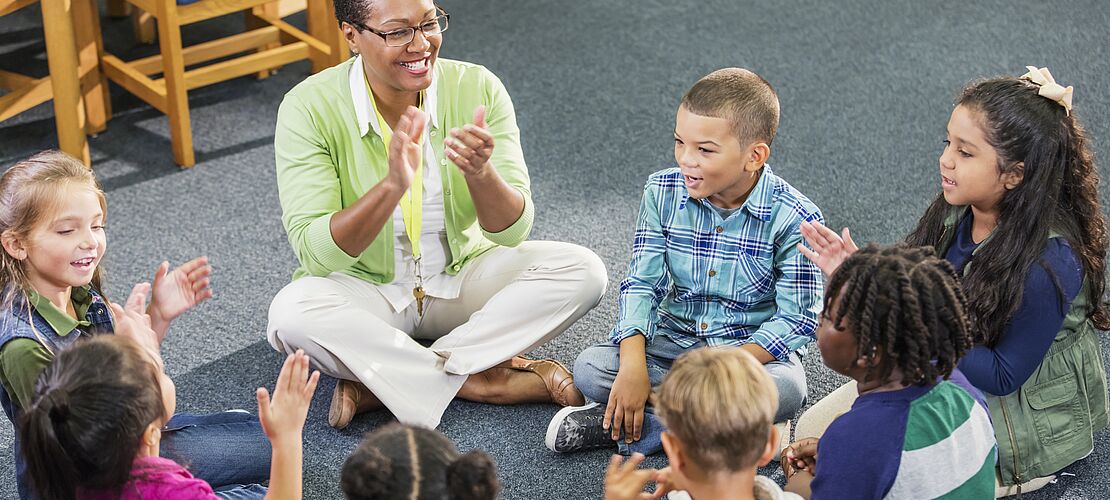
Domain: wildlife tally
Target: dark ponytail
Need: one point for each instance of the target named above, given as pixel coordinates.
(90, 409)
(398, 461)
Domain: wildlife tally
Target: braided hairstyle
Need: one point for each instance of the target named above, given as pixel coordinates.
(405, 462)
(85, 426)
(906, 303)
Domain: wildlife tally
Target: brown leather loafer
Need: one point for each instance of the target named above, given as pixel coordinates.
(344, 404)
(557, 378)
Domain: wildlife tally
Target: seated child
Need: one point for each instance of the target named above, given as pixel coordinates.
(52, 217)
(95, 427)
(894, 322)
(404, 461)
(714, 263)
(718, 404)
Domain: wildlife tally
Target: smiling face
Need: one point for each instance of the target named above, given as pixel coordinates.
(407, 68)
(714, 164)
(64, 250)
(969, 165)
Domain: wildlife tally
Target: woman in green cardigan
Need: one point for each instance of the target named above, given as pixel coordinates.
(406, 199)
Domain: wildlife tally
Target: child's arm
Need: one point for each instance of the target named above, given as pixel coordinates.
(799, 288)
(625, 481)
(647, 282)
(22, 360)
(282, 418)
(175, 292)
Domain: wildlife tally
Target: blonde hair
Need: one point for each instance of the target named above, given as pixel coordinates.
(740, 96)
(720, 403)
(30, 194)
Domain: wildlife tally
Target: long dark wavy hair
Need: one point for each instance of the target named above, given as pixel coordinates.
(1059, 192)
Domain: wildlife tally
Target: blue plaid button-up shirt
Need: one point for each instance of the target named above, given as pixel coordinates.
(694, 275)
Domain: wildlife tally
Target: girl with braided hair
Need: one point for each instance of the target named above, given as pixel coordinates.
(894, 322)
(1019, 217)
(405, 461)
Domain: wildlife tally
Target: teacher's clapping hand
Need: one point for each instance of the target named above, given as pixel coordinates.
(404, 148)
(471, 146)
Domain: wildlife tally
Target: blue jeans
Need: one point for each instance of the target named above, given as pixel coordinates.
(596, 369)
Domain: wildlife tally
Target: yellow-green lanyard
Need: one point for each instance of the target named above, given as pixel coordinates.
(412, 202)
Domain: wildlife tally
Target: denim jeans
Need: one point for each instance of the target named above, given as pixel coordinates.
(596, 369)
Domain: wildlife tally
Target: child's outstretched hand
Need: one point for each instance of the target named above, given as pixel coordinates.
(829, 249)
(800, 455)
(283, 416)
(131, 321)
(663, 483)
(177, 291)
(625, 481)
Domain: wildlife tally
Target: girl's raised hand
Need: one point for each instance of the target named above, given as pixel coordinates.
(829, 249)
(131, 321)
(471, 146)
(283, 415)
(177, 291)
(625, 481)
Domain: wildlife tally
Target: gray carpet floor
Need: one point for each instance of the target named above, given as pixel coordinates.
(866, 88)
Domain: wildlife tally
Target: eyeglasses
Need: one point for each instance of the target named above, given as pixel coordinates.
(404, 36)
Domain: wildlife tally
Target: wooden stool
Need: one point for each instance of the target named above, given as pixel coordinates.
(269, 47)
(79, 90)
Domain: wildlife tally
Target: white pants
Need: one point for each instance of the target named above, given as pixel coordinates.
(511, 301)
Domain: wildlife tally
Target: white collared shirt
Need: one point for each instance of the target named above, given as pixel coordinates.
(435, 252)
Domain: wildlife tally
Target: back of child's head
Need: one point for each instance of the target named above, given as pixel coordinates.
(402, 461)
(904, 302)
(91, 407)
(1058, 192)
(30, 193)
(740, 96)
(720, 404)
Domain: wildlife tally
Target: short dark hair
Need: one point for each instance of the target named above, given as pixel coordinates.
(906, 302)
(740, 96)
(353, 12)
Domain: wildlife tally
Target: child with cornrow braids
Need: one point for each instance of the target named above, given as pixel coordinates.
(405, 461)
(1019, 217)
(894, 322)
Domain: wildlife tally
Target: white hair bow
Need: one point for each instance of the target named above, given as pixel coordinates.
(1049, 87)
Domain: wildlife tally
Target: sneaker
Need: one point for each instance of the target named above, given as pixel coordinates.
(577, 428)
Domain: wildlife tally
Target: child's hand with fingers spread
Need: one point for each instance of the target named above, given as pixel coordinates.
(663, 483)
(829, 249)
(131, 321)
(625, 481)
(177, 291)
(283, 415)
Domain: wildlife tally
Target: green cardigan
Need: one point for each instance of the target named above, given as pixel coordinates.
(324, 164)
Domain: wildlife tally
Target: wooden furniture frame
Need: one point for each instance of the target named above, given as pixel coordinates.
(78, 88)
(269, 47)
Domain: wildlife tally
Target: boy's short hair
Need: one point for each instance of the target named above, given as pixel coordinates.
(740, 96)
(720, 403)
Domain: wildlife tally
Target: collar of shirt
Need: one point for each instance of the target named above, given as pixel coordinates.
(760, 201)
(61, 322)
(361, 96)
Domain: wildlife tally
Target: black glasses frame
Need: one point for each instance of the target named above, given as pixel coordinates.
(411, 29)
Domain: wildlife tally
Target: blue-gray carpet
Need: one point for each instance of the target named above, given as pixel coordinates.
(866, 87)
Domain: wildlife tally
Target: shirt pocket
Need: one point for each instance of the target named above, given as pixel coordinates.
(750, 277)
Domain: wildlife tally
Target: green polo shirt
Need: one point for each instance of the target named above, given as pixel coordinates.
(325, 163)
(23, 359)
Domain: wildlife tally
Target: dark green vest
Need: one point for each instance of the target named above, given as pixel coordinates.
(1049, 423)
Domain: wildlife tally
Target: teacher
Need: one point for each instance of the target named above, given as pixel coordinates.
(406, 199)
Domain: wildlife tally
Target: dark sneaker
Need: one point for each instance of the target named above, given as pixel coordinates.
(577, 428)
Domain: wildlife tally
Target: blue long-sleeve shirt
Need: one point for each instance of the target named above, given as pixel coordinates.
(1002, 369)
(730, 281)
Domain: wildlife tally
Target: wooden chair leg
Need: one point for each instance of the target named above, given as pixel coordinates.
(322, 26)
(173, 74)
(61, 50)
(118, 8)
(252, 22)
(143, 26)
(90, 48)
